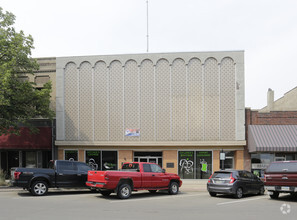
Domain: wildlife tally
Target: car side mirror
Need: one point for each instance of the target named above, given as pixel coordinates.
(163, 171)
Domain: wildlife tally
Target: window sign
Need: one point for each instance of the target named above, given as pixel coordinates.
(203, 164)
(71, 155)
(109, 160)
(186, 164)
(93, 159)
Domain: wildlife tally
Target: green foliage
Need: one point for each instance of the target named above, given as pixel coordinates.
(19, 101)
(2, 178)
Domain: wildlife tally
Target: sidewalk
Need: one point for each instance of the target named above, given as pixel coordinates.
(194, 185)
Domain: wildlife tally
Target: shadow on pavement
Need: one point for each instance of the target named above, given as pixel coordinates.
(61, 192)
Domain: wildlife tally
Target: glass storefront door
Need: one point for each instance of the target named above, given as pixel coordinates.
(149, 157)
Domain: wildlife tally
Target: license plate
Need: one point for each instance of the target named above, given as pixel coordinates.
(219, 181)
(285, 188)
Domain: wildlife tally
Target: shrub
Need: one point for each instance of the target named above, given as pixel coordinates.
(2, 178)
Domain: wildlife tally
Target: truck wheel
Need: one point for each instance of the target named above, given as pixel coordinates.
(173, 188)
(124, 191)
(39, 188)
(274, 195)
(238, 193)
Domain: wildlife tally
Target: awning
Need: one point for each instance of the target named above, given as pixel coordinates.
(42, 140)
(272, 138)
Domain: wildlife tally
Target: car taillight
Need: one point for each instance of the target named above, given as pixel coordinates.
(17, 175)
(232, 179)
(210, 178)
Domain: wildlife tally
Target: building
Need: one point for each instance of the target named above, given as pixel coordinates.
(32, 150)
(272, 132)
(179, 110)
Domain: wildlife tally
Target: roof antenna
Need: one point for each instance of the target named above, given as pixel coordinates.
(147, 29)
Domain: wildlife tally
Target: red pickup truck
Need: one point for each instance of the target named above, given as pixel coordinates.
(133, 177)
(281, 177)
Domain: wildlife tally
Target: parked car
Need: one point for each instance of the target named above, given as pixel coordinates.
(281, 177)
(60, 174)
(133, 177)
(234, 182)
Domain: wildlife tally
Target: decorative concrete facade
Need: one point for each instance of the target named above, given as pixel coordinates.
(163, 102)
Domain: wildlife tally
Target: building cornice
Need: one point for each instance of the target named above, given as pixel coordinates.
(148, 143)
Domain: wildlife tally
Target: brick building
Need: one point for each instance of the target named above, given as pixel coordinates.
(32, 150)
(271, 132)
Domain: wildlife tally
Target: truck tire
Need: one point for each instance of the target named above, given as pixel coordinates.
(39, 188)
(173, 188)
(124, 191)
(274, 195)
(238, 193)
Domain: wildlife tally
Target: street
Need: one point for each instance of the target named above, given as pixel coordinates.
(70, 204)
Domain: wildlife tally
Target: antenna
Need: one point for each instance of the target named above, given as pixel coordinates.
(147, 28)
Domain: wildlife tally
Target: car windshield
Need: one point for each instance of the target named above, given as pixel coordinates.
(222, 175)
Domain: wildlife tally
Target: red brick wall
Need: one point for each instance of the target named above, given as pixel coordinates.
(271, 118)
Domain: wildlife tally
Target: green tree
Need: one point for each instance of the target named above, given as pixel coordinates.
(20, 101)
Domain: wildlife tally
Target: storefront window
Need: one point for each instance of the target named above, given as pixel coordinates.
(203, 164)
(71, 155)
(29, 159)
(260, 162)
(93, 159)
(109, 160)
(186, 164)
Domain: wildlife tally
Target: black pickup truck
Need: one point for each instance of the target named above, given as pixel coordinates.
(60, 174)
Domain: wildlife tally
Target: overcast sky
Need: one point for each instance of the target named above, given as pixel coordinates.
(265, 29)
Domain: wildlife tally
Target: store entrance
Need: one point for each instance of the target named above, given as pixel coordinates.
(149, 157)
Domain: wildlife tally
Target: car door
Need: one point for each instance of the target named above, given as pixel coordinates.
(82, 173)
(146, 176)
(66, 175)
(159, 179)
(251, 182)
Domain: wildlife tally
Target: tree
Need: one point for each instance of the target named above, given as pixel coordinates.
(20, 101)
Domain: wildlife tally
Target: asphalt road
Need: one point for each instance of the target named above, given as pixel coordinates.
(19, 204)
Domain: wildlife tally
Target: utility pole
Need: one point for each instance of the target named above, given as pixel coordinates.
(147, 28)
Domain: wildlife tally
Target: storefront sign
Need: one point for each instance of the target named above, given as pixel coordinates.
(222, 156)
(132, 132)
(259, 165)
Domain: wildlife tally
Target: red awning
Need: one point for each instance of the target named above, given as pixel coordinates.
(42, 140)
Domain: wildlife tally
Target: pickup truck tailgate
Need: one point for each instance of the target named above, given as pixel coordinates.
(96, 176)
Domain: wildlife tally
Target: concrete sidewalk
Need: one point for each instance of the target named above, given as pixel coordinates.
(190, 185)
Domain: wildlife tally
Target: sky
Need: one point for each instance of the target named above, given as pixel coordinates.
(266, 30)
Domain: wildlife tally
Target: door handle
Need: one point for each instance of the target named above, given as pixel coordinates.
(284, 178)
(153, 175)
(79, 174)
(60, 174)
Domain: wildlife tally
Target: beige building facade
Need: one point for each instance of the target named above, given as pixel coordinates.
(179, 110)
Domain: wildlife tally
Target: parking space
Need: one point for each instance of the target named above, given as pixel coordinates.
(19, 204)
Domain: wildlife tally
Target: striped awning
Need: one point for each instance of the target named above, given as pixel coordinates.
(272, 138)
